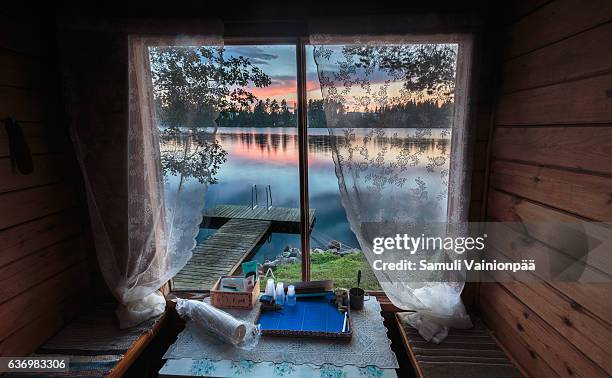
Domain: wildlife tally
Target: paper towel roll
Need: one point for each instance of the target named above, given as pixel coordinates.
(213, 319)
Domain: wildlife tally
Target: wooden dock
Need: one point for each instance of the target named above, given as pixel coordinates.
(241, 229)
(284, 219)
(221, 253)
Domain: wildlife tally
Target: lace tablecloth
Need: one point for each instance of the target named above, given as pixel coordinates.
(368, 347)
(188, 367)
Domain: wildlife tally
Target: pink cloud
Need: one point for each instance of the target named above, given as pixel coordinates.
(283, 90)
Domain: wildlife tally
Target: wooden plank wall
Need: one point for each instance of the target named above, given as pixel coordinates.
(482, 103)
(43, 269)
(551, 159)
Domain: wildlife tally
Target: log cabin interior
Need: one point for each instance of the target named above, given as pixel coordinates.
(532, 86)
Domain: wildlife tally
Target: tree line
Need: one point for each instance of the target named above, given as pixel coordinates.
(271, 113)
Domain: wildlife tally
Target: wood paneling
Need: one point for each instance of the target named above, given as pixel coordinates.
(556, 351)
(520, 8)
(584, 55)
(556, 20)
(551, 172)
(592, 296)
(24, 104)
(576, 147)
(521, 351)
(580, 101)
(48, 169)
(26, 339)
(552, 227)
(581, 328)
(43, 275)
(21, 275)
(586, 195)
(22, 36)
(26, 307)
(28, 204)
(21, 240)
(21, 71)
(40, 139)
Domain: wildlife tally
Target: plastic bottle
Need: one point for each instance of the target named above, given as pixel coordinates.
(291, 299)
(280, 293)
(270, 288)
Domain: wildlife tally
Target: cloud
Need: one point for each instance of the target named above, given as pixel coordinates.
(275, 90)
(283, 78)
(284, 86)
(257, 55)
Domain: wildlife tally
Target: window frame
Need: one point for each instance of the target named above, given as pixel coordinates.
(302, 125)
(462, 114)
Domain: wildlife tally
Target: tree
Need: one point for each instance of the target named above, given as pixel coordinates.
(191, 85)
(287, 119)
(274, 112)
(428, 68)
(259, 114)
(197, 155)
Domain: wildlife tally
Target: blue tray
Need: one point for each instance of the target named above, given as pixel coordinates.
(315, 316)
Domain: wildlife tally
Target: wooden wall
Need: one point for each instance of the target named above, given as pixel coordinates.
(43, 275)
(551, 159)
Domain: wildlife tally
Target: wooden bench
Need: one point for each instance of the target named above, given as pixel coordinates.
(96, 347)
(470, 353)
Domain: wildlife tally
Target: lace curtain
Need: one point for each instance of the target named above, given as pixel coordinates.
(164, 199)
(395, 111)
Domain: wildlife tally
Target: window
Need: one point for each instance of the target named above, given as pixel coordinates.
(378, 120)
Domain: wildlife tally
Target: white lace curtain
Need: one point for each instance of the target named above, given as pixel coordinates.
(395, 110)
(164, 202)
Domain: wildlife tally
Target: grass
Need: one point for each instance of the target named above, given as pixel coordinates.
(329, 266)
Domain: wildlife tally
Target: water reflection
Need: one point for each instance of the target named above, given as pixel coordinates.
(269, 156)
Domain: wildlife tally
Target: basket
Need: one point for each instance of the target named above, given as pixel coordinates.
(245, 300)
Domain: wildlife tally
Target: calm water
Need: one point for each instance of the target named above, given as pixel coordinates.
(269, 156)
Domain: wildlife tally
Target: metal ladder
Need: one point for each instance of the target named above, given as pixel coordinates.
(255, 198)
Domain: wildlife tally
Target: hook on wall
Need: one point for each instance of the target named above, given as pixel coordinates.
(21, 158)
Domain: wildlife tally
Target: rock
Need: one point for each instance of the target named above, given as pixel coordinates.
(294, 252)
(348, 252)
(318, 250)
(286, 254)
(334, 244)
(287, 248)
(271, 264)
(293, 260)
(288, 260)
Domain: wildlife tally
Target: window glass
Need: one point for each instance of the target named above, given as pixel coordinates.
(379, 129)
(227, 119)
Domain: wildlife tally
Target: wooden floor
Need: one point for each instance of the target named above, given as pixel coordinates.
(221, 253)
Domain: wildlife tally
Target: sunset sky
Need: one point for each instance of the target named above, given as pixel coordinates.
(278, 61)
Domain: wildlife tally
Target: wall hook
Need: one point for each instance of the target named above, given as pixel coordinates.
(21, 158)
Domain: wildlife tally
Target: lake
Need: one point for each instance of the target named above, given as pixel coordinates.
(269, 156)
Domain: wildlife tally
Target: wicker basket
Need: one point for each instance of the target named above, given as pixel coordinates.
(234, 299)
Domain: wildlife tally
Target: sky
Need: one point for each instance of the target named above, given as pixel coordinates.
(278, 62)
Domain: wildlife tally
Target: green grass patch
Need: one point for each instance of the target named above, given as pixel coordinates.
(329, 266)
